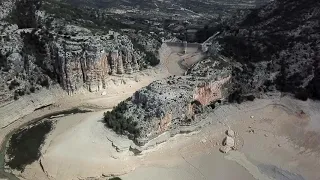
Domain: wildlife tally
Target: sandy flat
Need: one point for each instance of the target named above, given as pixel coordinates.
(207, 166)
(283, 146)
(82, 148)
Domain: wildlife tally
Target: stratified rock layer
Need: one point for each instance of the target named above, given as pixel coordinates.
(167, 105)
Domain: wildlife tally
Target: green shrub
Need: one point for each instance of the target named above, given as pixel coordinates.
(16, 96)
(45, 83)
(23, 13)
(13, 84)
(250, 98)
(236, 96)
(32, 89)
(302, 94)
(3, 60)
(20, 92)
(119, 123)
(151, 59)
(115, 178)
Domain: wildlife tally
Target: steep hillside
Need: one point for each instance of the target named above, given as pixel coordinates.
(278, 47)
(53, 42)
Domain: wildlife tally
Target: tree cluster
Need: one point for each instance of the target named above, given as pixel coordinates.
(151, 59)
(3, 61)
(267, 39)
(24, 13)
(121, 124)
(14, 84)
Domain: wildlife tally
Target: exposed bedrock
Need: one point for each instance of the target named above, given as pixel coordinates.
(32, 59)
(169, 104)
(90, 64)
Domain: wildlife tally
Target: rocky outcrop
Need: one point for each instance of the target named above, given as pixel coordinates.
(78, 62)
(165, 123)
(169, 104)
(210, 92)
(164, 51)
(88, 61)
(51, 42)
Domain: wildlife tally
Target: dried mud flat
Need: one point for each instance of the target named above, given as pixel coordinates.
(275, 139)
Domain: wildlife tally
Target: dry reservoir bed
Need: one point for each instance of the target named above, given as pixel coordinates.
(275, 139)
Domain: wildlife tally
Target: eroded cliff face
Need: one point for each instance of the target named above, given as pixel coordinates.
(169, 104)
(90, 62)
(76, 48)
(30, 61)
(210, 92)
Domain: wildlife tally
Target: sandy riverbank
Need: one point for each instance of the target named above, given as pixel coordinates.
(284, 144)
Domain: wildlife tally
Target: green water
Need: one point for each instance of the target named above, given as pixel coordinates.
(11, 176)
(4, 174)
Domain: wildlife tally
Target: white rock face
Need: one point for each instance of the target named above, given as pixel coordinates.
(225, 149)
(228, 141)
(203, 140)
(230, 133)
(81, 61)
(90, 60)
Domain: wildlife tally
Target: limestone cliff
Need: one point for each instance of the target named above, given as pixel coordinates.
(169, 104)
(88, 61)
(44, 43)
(74, 62)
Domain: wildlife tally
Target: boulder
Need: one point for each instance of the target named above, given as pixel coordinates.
(225, 149)
(230, 133)
(228, 141)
